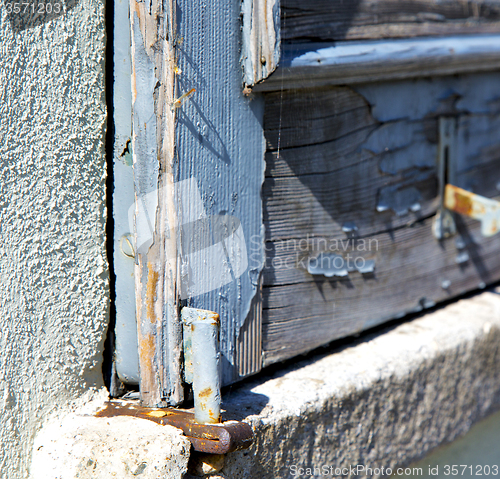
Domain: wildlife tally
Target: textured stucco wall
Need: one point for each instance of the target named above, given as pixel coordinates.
(53, 269)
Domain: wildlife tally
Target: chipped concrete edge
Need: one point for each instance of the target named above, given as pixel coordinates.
(385, 401)
(74, 443)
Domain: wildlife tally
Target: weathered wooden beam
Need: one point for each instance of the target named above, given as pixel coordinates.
(352, 177)
(412, 271)
(315, 65)
(220, 149)
(153, 88)
(334, 20)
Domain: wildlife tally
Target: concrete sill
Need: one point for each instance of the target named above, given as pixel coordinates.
(385, 401)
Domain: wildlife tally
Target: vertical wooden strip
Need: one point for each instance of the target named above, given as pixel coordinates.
(159, 331)
(219, 150)
(261, 39)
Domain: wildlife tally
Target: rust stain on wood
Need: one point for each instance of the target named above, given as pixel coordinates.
(153, 54)
(147, 352)
(463, 204)
(151, 293)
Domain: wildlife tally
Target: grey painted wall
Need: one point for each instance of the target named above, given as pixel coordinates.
(53, 269)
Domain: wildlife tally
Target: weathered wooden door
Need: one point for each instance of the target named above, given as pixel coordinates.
(299, 205)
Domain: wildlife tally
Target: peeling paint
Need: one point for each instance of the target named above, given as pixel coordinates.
(349, 227)
(400, 200)
(462, 257)
(446, 284)
(334, 265)
(144, 141)
(374, 61)
(261, 39)
(328, 264)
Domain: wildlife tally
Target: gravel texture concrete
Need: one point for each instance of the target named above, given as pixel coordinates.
(382, 402)
(54, 297)
(100, 448)
(385, 401)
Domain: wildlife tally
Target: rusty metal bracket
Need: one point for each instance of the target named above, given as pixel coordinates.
(219, 438)
(457, 199)
(474, 206)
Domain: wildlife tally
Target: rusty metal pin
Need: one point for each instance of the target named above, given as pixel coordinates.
(201, 342)
(210, 438)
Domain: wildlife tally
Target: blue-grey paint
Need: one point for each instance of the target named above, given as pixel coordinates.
(391, 51)
(400, 200)
(331, 264)
(312, 65)
(146, 167)
(462, 257)
(469, 93)
(220, 150)
(349, 227)
(220, 144)
(404, 148)
(126, 352)
(201, 341)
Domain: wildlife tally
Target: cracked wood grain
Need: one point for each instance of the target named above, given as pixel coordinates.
(341, 153)
(261, 39)
(153, 88)
(327, 20)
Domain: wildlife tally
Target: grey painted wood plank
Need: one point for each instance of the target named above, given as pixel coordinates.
(324, 157)
(334, 20)
(315, 187)
(316, 65)
(126, 357)
(220, 148)
(158, 326)
(305, 117)
(298, 224)
(321, 204)
(412, 271)
(315, 192)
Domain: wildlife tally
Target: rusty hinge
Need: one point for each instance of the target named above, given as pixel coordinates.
(457, 199)
(201, 369)
(219, 438)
